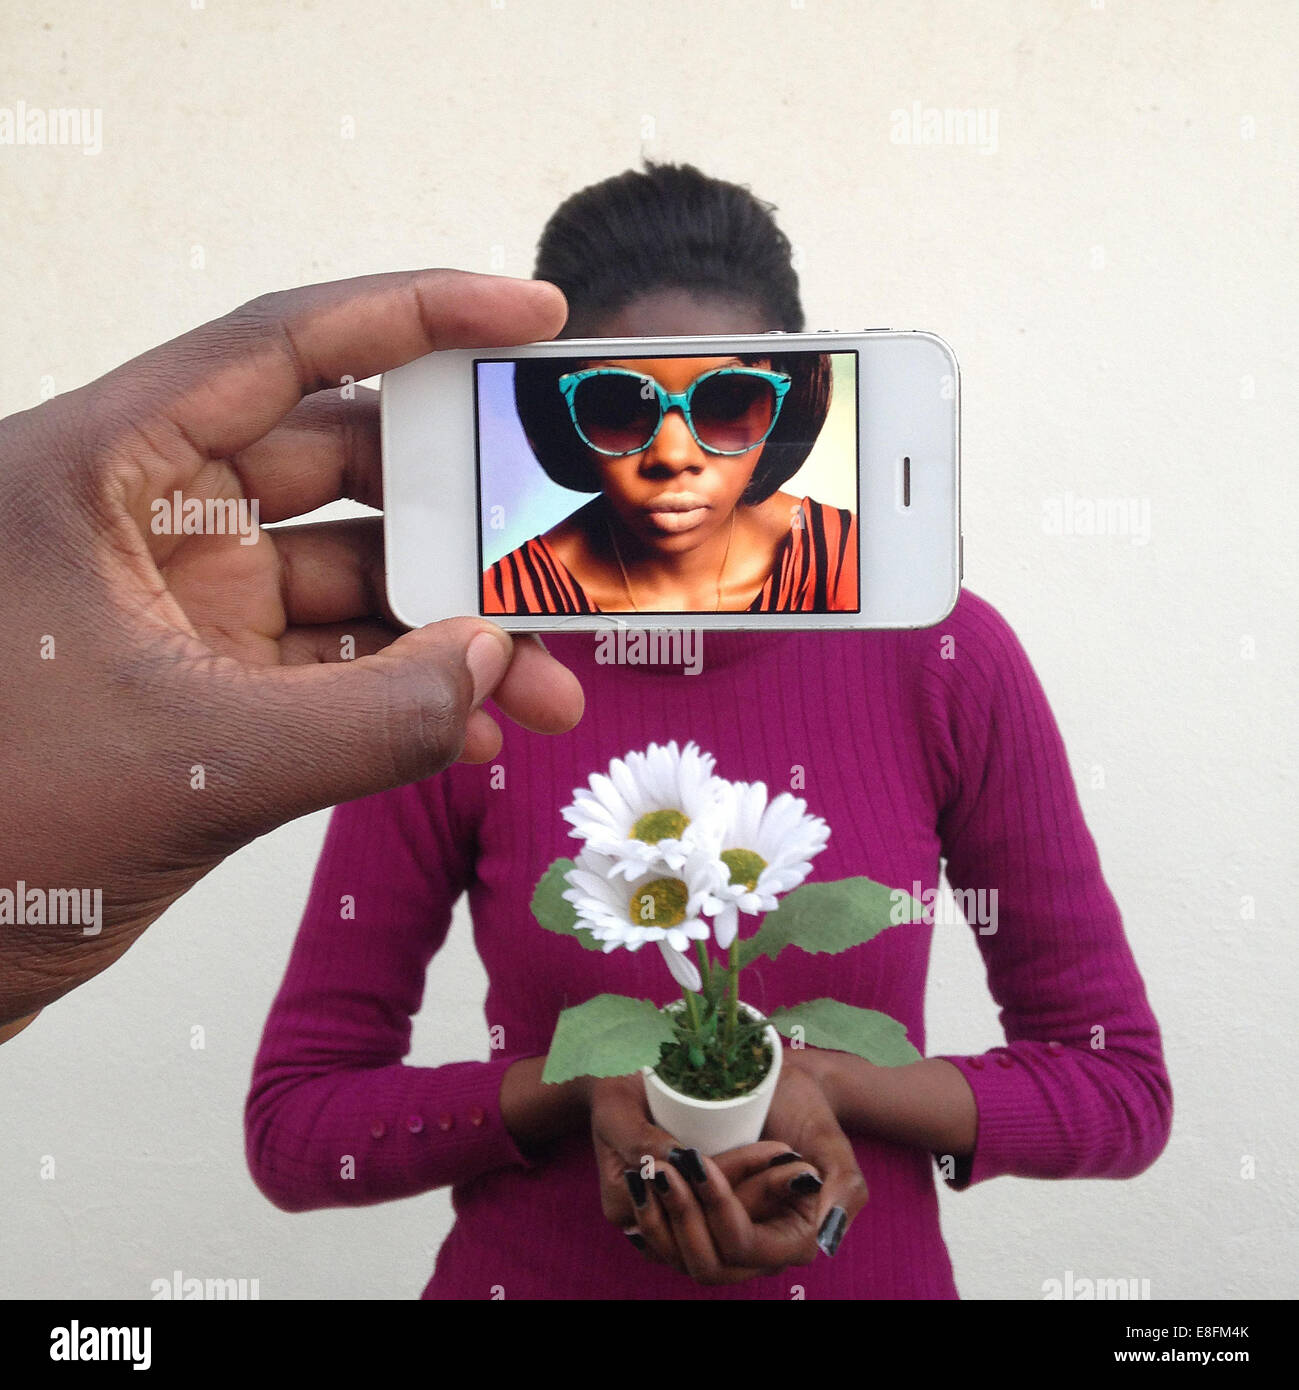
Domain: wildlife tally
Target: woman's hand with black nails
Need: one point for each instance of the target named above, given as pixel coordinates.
(749, 1212)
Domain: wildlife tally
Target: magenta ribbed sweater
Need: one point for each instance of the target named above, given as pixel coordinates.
(915, 746)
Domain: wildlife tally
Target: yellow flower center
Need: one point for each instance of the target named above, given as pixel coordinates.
(745, 867)
(659, 903)
(654, 826)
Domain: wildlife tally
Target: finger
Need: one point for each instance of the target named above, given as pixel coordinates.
(840, 1201)
(636, 1238)
(760, 1176)
(631, 1153)
(629, 1146)
(658, 1239)
(331, 571)
(226, 384)
(750, 1159)
(685, 1226)
(327, 447)
(769, 1194)
(325, 642)
(653, 1224)
(284, 599)
(693, 1234)
(541, 695)
(844, 1191)
(482, 738)
(323, 734)
(736, 1237)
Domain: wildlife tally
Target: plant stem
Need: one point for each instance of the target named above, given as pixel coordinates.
(732, 991)
(692, 1009)
(705, 967)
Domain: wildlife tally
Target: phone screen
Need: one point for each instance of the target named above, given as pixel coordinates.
(668, 484)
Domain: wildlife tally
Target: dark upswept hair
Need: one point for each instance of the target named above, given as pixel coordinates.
(670, 227)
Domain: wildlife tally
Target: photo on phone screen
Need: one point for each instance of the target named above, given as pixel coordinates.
(598, 476)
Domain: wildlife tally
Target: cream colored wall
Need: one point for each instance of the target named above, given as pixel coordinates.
(1115, 268)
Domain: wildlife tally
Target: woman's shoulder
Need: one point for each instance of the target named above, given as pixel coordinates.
(532, 578)
(810, 512)
(826, 528)
(814, 562)
(975, 621)
(973, 655)
(824, 511)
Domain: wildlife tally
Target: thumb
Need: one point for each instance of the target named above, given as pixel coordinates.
(297, 739)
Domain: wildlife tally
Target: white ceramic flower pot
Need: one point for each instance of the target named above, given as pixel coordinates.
(714, 1126)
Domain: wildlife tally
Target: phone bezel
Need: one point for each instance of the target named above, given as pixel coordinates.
(432, 543)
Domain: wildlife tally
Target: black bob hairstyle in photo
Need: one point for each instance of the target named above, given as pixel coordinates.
(669, 228)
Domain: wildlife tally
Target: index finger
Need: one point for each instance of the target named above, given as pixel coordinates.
(225, 384)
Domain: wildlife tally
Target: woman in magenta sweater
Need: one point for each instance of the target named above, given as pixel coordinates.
(915, 747)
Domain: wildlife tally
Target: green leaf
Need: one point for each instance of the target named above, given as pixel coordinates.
(554, 911)
(609, 1035)
(830, 917)
(843, 1028)
(716, 985)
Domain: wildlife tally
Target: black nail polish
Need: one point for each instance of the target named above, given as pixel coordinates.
(688, 1163)
(832, 1229)
(788, 1157)
(805, 1184)
(635, 1185)
(661, 1185)
(636, 1239)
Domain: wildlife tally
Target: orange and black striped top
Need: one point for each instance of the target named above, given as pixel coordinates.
(814, 571)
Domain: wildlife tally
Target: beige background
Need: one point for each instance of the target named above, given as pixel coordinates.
(1117, 278)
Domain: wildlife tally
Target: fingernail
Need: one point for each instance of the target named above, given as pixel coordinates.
(636, 1186)
(486, 658)
(550, 289)
(832, 1229)
(789, 1157)
(805, 1184)
(688, 1163)
(661, 1184)
(636, 1239)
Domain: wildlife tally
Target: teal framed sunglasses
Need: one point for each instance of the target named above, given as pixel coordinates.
(728, 411)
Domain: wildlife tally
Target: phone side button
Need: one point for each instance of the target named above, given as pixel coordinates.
(961, 555)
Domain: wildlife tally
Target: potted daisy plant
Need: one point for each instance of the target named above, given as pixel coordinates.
(675, 856)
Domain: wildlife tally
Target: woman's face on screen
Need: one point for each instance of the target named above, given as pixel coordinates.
(675, 495)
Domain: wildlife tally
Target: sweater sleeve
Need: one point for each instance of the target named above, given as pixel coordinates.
(1080, 1090)
(333, 1116)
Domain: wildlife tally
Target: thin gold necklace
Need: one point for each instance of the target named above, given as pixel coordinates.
(626, 583)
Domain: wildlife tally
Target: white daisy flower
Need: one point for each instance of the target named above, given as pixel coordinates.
(659, 906)
(766, 848)
(684, 971)
(652, 811)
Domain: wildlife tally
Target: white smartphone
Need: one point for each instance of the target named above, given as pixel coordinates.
(777, 480)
